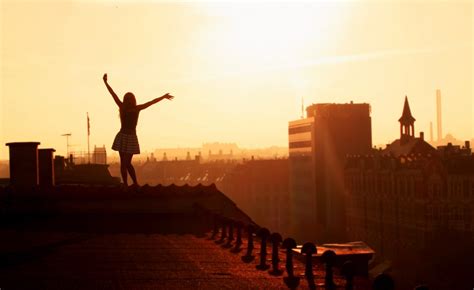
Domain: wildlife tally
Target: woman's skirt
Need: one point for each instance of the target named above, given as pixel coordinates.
(126, 143)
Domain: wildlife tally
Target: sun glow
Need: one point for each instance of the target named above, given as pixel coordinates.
(239, 71)
(267, 36)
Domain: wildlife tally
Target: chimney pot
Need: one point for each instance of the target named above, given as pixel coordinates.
(46, 167)
(24, 164)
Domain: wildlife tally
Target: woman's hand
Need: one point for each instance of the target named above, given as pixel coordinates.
(114, 95)
(168, 96)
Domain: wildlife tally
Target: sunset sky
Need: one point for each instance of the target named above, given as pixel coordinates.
(238, 70)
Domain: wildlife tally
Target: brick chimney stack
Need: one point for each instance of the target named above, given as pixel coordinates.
(46, 167)
(24, 164)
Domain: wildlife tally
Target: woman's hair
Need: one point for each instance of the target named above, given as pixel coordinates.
(129, 102)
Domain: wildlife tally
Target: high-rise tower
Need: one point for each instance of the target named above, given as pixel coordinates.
(318, 146)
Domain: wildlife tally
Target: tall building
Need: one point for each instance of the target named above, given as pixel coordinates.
(318, 146)
(301, 183)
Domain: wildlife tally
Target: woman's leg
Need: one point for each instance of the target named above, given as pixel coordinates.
(131, 170)
(123, 167)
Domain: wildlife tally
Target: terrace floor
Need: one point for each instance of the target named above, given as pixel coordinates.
(101, 238)
(52, 260)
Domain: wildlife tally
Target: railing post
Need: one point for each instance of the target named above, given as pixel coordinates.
(230, 237)
(291, 281)
(348, 271)
(238, 241)
(383, 282)
(276, 239)
(309, 249)
(248, 256)
(224, 231)
(263, 234)
(329, 257)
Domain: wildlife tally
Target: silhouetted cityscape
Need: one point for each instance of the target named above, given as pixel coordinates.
(227, 145)
(406, 201)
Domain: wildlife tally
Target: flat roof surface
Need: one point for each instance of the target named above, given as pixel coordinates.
(58, 260)
(45, 260)
(77, 237)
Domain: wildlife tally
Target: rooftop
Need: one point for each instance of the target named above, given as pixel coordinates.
(60, 260)
(155, 237)
(411, 146)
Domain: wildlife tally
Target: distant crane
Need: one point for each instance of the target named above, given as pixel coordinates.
(67, 135)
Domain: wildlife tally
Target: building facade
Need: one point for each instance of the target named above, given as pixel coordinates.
(318, 146)
(400, 200)
(301, 178)
(99, 155)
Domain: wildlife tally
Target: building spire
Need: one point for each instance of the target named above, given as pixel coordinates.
(407, 123)
(406, 117)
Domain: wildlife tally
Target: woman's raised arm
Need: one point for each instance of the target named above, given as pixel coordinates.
(114, 95)
(146, 105)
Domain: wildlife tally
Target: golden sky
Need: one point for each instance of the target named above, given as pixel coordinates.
(238, 69)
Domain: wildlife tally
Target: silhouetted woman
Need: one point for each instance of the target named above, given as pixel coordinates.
(126, 141)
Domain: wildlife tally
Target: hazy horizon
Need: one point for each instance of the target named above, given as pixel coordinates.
(239, 71)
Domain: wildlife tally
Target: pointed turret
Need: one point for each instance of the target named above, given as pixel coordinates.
(407, 123)
(406, 117)
(408, 143)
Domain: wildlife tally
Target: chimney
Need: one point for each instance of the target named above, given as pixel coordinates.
(422, 136)
(438, 114)
(59, 164)
(467, 144)
(46, 167)
(24, 164)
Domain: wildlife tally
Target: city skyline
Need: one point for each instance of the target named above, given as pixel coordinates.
(223, 68)
(183, 144)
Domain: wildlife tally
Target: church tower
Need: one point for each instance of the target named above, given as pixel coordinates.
(407, 123)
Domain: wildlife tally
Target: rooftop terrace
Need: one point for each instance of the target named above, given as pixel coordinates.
(79, 237)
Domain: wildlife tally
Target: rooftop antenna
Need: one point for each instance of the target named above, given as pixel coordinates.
(67, 135)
